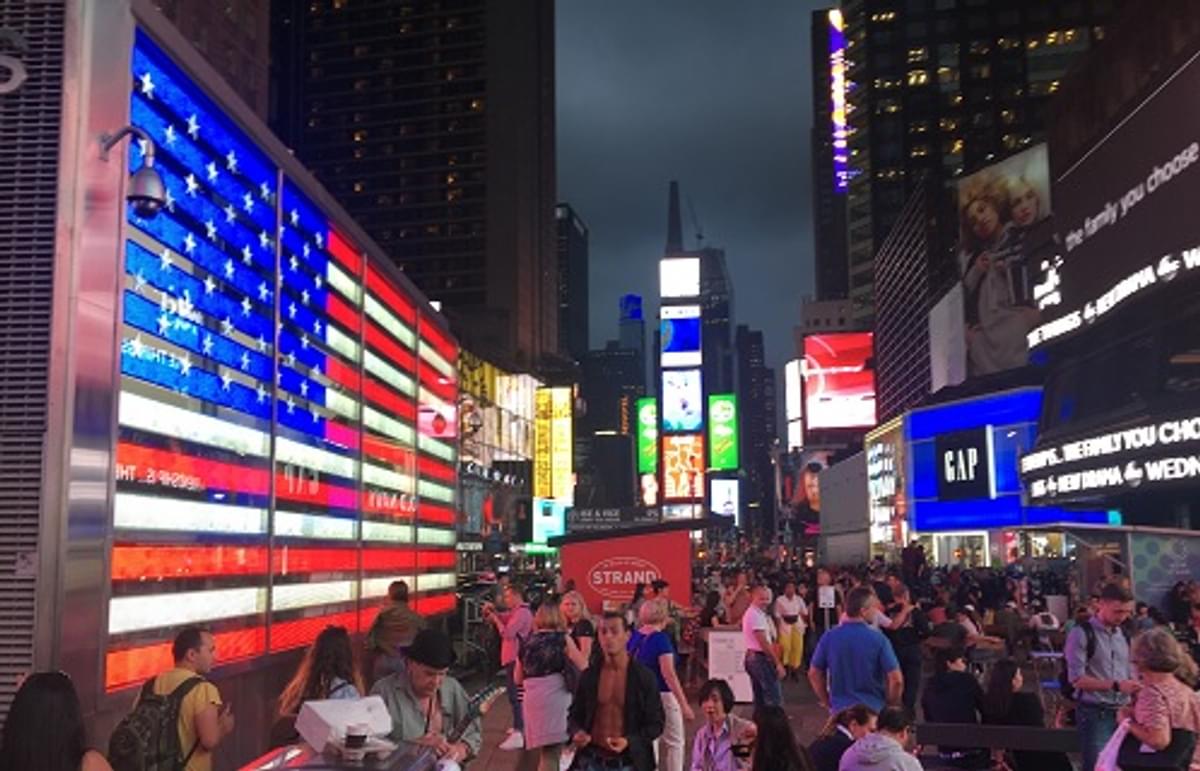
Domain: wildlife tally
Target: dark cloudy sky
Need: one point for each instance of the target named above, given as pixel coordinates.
(716, 94)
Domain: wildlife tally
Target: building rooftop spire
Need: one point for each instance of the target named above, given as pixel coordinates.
(674, 221)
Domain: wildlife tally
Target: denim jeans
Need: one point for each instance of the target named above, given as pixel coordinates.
(1096, 727)
(764, 680)
(513, 691)
(910, 666)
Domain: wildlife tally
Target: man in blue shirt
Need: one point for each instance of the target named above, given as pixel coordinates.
(854, 663)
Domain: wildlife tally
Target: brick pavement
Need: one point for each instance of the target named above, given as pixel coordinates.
(807, 719)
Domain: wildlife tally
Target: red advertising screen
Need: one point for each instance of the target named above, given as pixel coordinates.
(607, 570)
(839, 380)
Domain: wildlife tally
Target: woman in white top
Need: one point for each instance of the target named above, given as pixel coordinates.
(791, 616)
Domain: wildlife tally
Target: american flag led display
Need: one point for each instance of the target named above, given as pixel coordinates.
(286, 421)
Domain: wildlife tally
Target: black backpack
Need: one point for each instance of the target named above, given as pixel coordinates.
(1064, 679)
(147, 739)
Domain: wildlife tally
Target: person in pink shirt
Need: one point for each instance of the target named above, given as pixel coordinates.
(514, 624)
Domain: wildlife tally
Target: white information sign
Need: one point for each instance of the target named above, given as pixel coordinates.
(727, 661)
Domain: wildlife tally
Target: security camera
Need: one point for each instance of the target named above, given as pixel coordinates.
(147, 191)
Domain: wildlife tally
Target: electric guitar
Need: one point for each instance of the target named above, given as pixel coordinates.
(426, 758)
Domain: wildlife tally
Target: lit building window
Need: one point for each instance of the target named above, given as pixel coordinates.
(360, 135)
(918, 55)
(918, 77)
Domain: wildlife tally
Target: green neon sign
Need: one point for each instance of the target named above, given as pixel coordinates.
(647, 435)
(722, 432)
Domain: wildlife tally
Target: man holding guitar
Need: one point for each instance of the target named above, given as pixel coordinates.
(430, 708)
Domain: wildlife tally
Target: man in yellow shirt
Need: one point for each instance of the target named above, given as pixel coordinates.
(203, 720)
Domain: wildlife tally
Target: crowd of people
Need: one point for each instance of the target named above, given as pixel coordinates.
(612, 692)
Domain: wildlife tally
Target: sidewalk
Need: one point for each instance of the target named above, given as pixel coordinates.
(807, 720)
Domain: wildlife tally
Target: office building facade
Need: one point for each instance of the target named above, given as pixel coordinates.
(829, 154)
(939, 88)
(572, 283)
(756, 397)
(234, 36)
(433, 124)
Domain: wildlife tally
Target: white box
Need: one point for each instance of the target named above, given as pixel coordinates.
(324, 722)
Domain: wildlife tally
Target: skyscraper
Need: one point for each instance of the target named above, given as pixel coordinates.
(756, 397)
(938, 88)
(631, 328)
(572, 283)
(433, 124)
(234, 36)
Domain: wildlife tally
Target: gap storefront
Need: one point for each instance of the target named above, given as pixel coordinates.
(963, 494)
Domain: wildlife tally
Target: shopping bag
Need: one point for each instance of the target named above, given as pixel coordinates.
(1107, 761)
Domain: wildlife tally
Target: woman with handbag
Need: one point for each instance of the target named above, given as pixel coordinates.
(542, 668)
(1165, 716)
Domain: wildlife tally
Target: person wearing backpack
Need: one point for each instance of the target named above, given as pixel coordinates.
(1098, 671)
(179, 718)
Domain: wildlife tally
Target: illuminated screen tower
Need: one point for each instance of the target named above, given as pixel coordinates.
(694, 374)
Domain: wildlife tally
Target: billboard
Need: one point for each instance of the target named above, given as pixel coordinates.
(682, 401)
(683, 467)
(285, 427)
(647, 435)
(1126, 213)
(839, 380)
(679, 277)
(948, 341)
(680, 334)
(606, 570)
(724, 499)
(553, 470)
(793, 395)
(801, 490)
(722, 432)
(549, 519)
(837, 100)
(1000, 208)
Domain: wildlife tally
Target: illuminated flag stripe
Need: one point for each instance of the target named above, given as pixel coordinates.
(286, 635)
(435, 604)
(387, 426)
(384, 532)
(314, 493)
(139, 412)
(343, 283)
(388, 451)
(430, 355)
(385, 398)
(375, 559)
(432, 582)
(340, 342)
(307, 595)
(383, 477)
(436, 448)
(343, 252)
(427, 489)
(341, 374)
(390, 349)
(341, 313)
(291, 451)
(389, 374)
(133, 614)
(431, 333)
(296, 525)
(151, 512)
(175, 471)
(378, 586)
(390, 297)
(398, 329)
(340, 435)
(151, 563)
(434, 536)
(429, 467)
(133, 666)
(431, 512)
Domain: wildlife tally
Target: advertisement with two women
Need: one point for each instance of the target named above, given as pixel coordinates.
(998, 208)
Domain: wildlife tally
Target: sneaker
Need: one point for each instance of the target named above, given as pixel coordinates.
(514, 741)
(566, 758)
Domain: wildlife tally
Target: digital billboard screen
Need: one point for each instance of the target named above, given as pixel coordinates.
(647, 436)
(679, 277)
(682, 401)
(1000, 208)
(839, 380)
(1125, 214)
(553, 469)
(683, 467)
(722, 432)
(549, 519)
(270, 479)
(680, 330)
(723, 499)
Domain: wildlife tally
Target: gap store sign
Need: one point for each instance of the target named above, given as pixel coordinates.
(964, 460)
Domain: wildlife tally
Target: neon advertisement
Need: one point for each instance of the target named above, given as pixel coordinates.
(839, 381)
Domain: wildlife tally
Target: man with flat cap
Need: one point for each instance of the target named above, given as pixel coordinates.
(426, 703)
